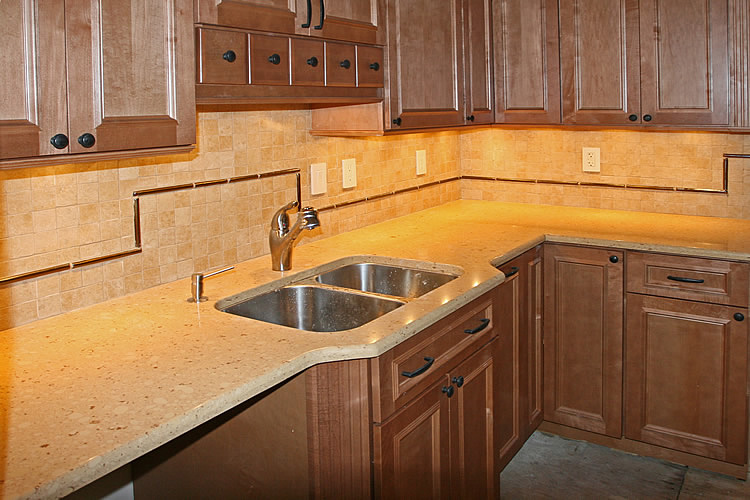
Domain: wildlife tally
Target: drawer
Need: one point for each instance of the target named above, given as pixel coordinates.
(369, 66)
(402, 373)
(269, 60)
(308, 62)
(341, 70)
(222, 57)
(692, 278)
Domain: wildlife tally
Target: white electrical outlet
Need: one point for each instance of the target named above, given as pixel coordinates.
(349, 173)
(318, 178)
(421, 162)
(591, 160)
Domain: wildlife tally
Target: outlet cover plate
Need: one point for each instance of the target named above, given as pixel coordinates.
(349, 173)
(591, 160)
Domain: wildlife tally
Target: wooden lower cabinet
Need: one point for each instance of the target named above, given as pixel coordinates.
(686, 376)
(583, 304)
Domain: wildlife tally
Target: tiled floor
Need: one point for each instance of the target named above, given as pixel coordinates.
(551, 467)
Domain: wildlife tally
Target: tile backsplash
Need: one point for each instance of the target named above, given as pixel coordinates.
(60, 214)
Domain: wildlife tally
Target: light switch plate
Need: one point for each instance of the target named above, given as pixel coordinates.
(349, 173)
(591, 160)
(421, 162)
(318, 178)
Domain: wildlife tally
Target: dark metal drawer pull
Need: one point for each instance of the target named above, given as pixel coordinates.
(684, 280)
(421, 369)
(483, 324)
(513, 270)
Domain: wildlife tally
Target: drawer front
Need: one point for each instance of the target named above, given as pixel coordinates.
(405, 371)
(308, 62)
(269, 60)
(341, 65)
(222, 57)
(705, 280)
(369, 66)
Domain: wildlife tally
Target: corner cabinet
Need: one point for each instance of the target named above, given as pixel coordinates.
(82, 78)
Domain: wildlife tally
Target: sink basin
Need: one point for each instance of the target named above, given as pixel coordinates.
(385, 279)
(314, 308)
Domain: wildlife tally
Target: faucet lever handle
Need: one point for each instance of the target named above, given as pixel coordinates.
(281, 219)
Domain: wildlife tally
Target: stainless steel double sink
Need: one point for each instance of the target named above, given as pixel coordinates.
(340, 297)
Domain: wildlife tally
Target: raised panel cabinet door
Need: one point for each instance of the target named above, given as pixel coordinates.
(599, 64)
(478, 60)
(527, 61)
(583, 307)
(130, 74)
(425, 63)
(686, 376)
(411, 449)
(33, 92)
(532, 345)
(278, 16)
(684, 62)
(473, 408)
(360, 21)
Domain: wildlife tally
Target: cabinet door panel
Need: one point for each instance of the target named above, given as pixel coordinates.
(411, 453)
(426, 65)
(684, 68)
(686, 376)
(472, 414)
(278, 16)
(127, 89)
(478, 61)
(599, 61)
(33, 93)
(351, 20)
(527, 64)
(583, 303)
(532, 330)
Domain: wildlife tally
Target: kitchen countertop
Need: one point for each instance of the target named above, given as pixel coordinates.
(88, 391)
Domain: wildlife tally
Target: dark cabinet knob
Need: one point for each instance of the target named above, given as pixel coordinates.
(739, 316)
(274, 59)
(313, 61)
(374, 66)
(86, 140)
(633, 118)
(449, 390)
(470, 118)
(345, 64)
(647, 118)
(59, 141)
(397, 121)
(614, 259)
(229, 56)
(459, 381)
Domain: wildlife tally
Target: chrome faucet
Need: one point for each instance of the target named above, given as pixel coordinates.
(282, 237)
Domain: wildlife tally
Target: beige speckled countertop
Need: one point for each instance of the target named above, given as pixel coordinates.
(89, 391)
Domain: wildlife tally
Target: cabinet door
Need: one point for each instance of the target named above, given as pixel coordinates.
(531, 346)
(411, 449)
(686, 376)
(599, 61)
(478, 60)
(33, 93)
(472, 415)
(527, 67)
(684, 68)
(352, 20)
(426, 63)
(583, 297)
(129, 90)
(279, 16)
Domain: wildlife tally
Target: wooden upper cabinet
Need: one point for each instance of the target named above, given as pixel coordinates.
(279, 16)
(527, 64)
(684, 62)
(583, 334)
(33, 103)
(599, 61)
(426, 63)
(478, 60)
(130, 74)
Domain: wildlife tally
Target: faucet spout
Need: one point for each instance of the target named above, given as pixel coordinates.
(282, 237)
